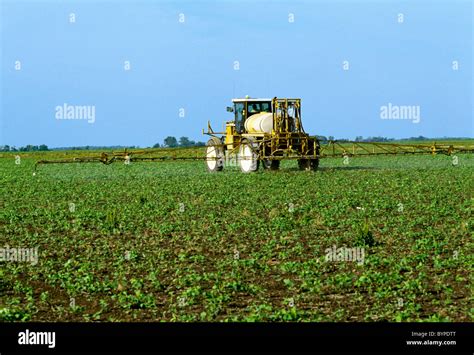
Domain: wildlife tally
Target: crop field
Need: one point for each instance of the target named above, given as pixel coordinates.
(171, 242)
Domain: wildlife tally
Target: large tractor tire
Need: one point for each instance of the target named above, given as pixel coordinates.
(308, 164)
(214, 155)
(248, 156)
(271, 164)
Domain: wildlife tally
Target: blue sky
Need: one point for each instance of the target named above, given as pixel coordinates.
(190, 65)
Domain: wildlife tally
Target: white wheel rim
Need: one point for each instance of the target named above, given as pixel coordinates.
(211, 158)
(247, 159)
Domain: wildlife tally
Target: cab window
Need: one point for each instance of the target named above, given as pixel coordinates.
(257, 107)
(239, 119)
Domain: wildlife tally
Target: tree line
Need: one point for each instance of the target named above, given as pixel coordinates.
(26, 148)
(168, 142)
(172, 142)
(379, 139)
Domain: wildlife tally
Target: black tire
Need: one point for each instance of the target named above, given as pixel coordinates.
(308, 164)
(271, 164)
(303, 164)
(214, 155)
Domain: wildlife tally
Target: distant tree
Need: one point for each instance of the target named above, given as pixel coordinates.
(184, 142)
(200, 144)
(43, 147)
(157, 145)
(171, 142)
(331, 138)
(359, 139)
(377, 139)
(5, 148)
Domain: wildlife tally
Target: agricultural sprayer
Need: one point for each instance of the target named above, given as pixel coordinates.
(265, 132)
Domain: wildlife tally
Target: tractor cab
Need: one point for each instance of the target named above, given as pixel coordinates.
(244, 108)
